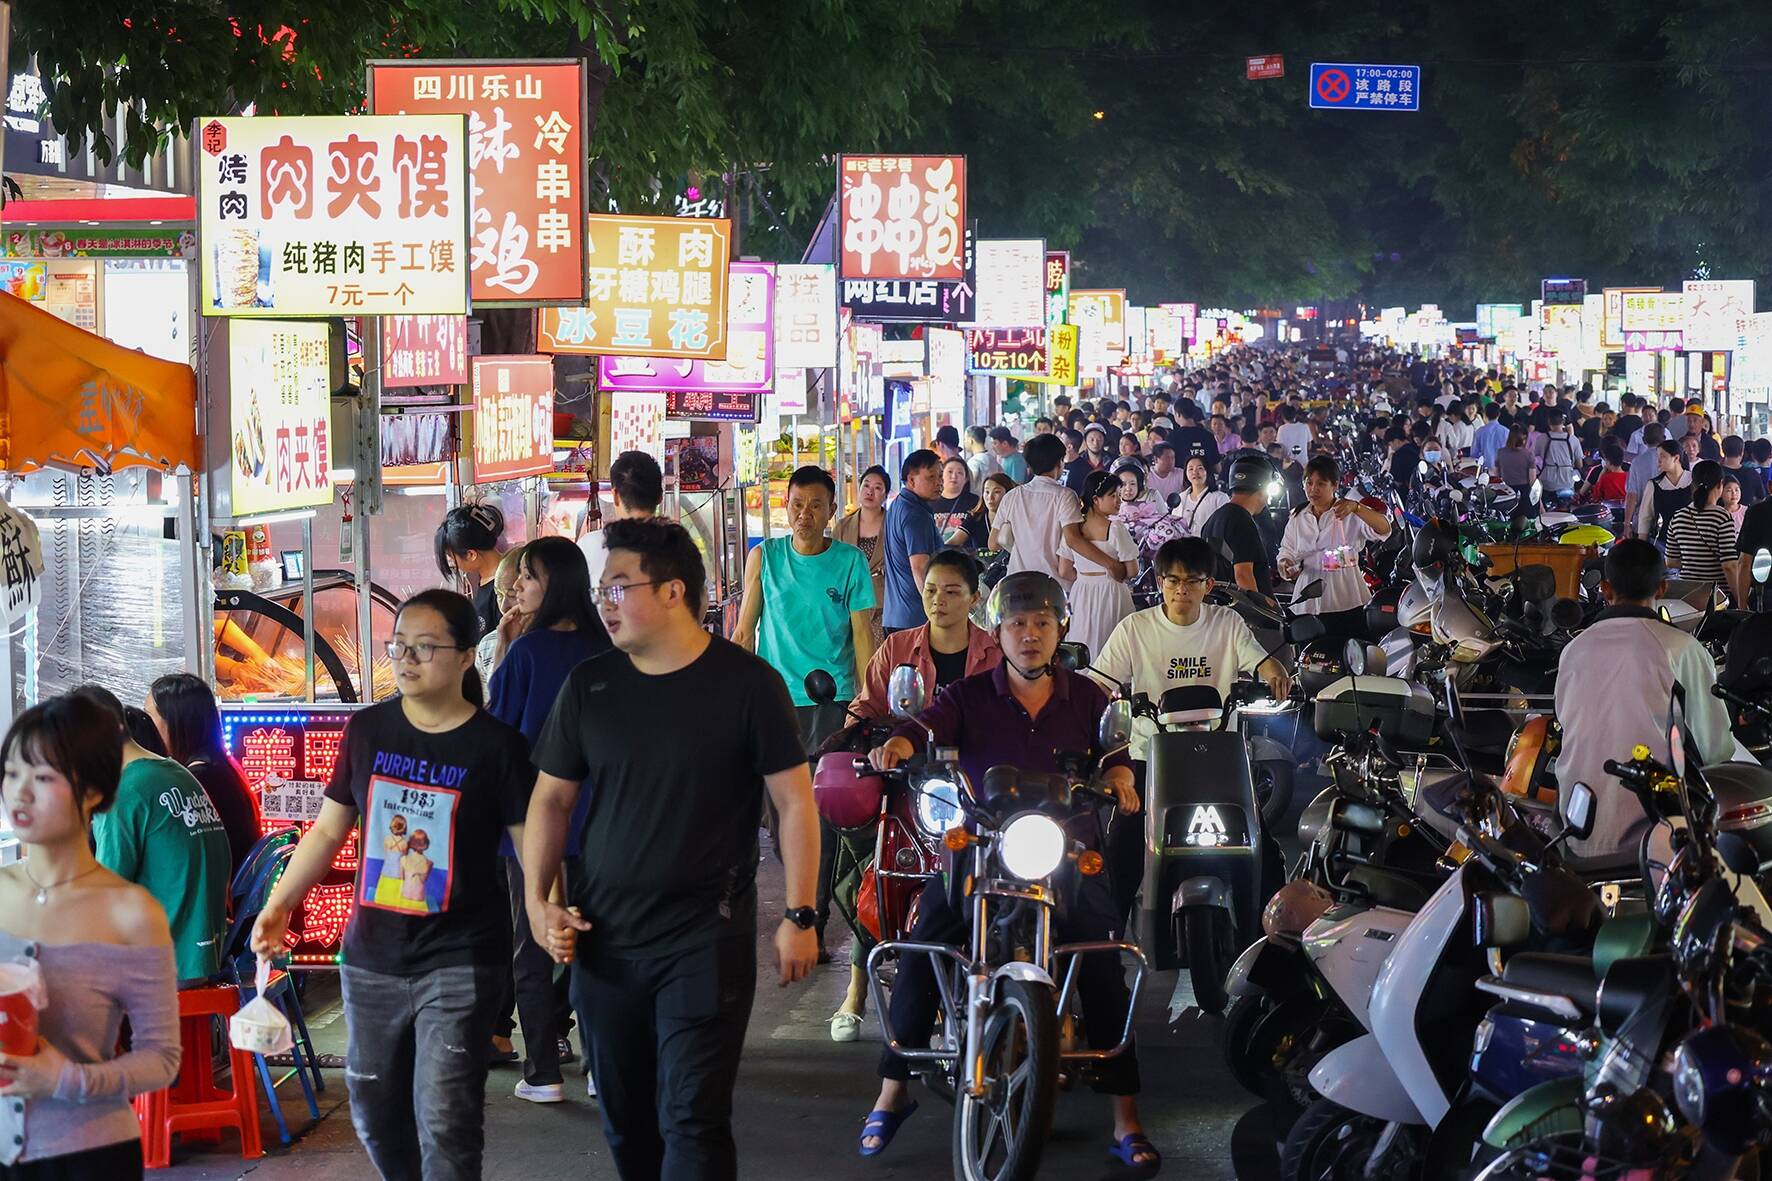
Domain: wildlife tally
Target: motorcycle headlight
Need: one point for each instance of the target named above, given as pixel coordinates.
(1032, 846)
(938, 805)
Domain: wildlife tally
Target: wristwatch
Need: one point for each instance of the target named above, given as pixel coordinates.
(803, 917)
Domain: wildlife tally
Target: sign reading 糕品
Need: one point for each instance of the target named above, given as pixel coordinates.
(320, 215)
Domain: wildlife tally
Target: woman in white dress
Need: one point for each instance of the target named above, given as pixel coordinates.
(1098, 601)
(1200, 499)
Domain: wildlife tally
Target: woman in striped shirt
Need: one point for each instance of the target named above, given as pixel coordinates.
(1701, 536)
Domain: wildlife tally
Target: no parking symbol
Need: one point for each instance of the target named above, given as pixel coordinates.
(1340, 86)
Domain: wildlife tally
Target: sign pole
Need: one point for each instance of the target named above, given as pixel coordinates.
(307, 603)
(367, 498)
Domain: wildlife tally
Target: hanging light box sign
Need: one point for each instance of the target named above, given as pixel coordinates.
(712, 405)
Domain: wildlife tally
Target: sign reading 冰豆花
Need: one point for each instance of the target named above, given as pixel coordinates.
(526, 151)
(1344, 86)
(323, 215)
(657, 287)
(902, 217)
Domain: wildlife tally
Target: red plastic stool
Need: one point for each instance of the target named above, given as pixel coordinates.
(194, 1105)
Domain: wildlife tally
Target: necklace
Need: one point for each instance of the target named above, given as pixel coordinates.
(42, 895)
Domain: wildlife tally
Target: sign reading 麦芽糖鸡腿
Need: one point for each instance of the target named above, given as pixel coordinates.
(656, 287)
(1006, 352)
(527, 155)
(279, 416)
(927, 301)
(750, 346)
(364, 215)
(513, 417)
(423, 350)
(901, 217)
(1345, 86)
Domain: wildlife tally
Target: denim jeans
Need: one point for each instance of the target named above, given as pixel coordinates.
(664, 1036)
(416, 1068)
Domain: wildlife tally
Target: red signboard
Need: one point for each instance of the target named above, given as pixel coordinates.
(526, 153)
(513, 417)
(423, 350)
(902, 217)
(1270, 65)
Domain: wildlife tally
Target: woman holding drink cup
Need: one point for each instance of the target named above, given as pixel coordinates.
(80, 950)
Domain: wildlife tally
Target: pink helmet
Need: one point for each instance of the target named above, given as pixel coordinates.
(846, 797)
(1295, 906)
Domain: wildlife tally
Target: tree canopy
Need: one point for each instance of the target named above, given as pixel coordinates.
(1618, 141)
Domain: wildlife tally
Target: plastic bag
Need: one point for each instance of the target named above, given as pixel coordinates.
(260, 1027)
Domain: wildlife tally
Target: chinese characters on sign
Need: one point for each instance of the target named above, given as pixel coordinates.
(513, 417)
(657, 288)
(711, 405)
(1058, 286)
(280, 412)
(902, 217)
(21, 564)
(527, 156)
(1652, 311)
(424, 350)
(924, 301)
(1102, 316)
(806, 316)
(314, 216)
(1011, 283)
(1345, 86)
(1061, 357)
(1712, 308)
(1012, 352)
(1272, 65)
(750, 344)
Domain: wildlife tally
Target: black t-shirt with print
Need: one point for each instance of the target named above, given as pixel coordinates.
(675, 768)
(1237, 539)
(965, 512)
(431, 809)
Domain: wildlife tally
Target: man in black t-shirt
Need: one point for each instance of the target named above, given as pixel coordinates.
(677, 735)
(1243, 554)
(1191, 438)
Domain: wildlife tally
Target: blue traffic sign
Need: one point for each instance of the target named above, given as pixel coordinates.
(1340, 86)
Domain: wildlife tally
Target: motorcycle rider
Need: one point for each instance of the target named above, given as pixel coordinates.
(1614, 682)
(1025, 713)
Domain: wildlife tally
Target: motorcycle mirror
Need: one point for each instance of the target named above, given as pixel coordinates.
(1578, 811)
(1664, 613)
(1313, 590)
(1762, 566)
(905, 691)
(1676, 748)
(1354, 656)
(1173, 499)
(1114, 733)
(1738, 853)
(1565, 614)
(821, 687)
(1071, 656)
(1421, 468)
(1307, 628)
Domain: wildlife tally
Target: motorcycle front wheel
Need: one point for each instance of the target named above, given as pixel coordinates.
(1000, 1135)
(1206, 934)
(1334, 1143)
(1273, 788)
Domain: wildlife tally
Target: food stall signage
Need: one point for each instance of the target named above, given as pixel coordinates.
(656, 287)
(513, 417)
(902, 216)
(712, 405)
(280, 412)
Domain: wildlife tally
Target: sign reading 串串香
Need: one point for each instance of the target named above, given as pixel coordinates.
(1344, 86)
(513, 417)
(656, 287)
(527, 155)
(902, 217)
(322, 215)
(280, 412)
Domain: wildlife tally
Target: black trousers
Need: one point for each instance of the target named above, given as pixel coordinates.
(1084, 915)
(121, 1161)
(664, 1036)
(1125, 855)
(532, 988)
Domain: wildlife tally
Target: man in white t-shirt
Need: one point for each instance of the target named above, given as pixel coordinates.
(637, 484)
(1182, 641)
(1033, 518)
(1294, 433)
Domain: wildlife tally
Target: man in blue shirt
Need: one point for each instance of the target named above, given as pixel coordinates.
(911, 538)
(1489, 438)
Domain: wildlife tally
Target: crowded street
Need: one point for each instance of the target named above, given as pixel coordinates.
(709, 591)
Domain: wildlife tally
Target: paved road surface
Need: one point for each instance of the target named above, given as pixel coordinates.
(800, 1102)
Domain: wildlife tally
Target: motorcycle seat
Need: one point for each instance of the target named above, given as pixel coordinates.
(1606, 867)
(1388, 888)
(1569, 976)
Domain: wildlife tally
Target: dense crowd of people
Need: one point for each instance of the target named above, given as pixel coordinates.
(535, 752)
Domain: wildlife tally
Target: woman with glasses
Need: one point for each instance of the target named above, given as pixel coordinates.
(435, 780)
(554, 628)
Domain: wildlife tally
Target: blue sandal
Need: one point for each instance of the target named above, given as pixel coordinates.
(1130, 1147)
(884, 1126)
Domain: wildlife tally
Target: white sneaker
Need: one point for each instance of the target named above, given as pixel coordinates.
(544, 1093)
(590, 1085)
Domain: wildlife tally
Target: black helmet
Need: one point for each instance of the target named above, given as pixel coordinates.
(1026, 590)
(1436, 544)
(1249, 473)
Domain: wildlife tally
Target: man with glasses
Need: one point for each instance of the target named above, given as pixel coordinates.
(677, 734)
(1182, 641)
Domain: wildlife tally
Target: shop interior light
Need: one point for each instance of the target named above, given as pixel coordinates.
(305, 514)
(422, 490)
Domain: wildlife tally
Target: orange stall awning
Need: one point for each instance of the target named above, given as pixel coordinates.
(73, 399)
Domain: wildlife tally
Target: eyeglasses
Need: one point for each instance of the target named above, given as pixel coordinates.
(422, 653)
(1176, 582)
(615, 592)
